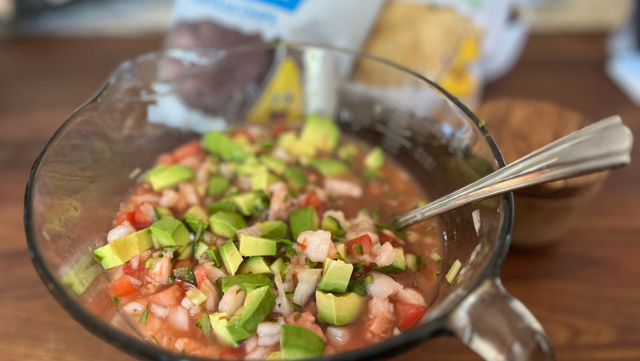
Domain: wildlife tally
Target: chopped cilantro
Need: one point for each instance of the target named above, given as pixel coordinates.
(297, 316)
(288, 247)
(481, 123)
(171, 280)
(185, 274)
(155, 339)
(116, 301)
(415, 283)
(358, 248)
(419, 260)
(170, 249)
(367, 280)
(143, 318)
(204, 324)
(296, 305)
(311, 264)
(359, 265)
(357, 287)
(272, 320)
(199, 230)
(90, 249)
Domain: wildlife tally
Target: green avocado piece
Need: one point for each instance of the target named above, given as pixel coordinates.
(156, 169)
(170, 232)
(329, 167)
(295, 146)
(374, 159)
(226, 224)
(219, 324)
(274, 356)
(225, 205)
(200, 250)
(297, 342)
(194, 216)
(274, 164)
(257, 307)
(347, 152)
(273, 229)
(276, 266)
(231, 258)
(256, 246)
(255, 265)
(123, 249)
(295, 178)
(262, 180)
(170, 176)
(246, 202)
(303, 219)
(250, 167)
(339, 309)
(397, 266)
(320, 133)
(186, 251)
(219, 144)
(246, 281)
(217, 185)
(341, 248)
(335, 276)
(163, 213)
(412, 262)
(332, 225)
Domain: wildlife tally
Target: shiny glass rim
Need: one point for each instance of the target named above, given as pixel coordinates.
(381, 350)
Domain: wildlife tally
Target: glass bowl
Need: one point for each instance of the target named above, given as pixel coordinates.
(159, 100)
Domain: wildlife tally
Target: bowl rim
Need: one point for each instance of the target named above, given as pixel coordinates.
(384, 349)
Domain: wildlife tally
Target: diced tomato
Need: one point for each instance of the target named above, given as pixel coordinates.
(312, 199)
(121, 217)
(187, 150)
(230, 354)
(169, 297)
(242, 133)
(408, 314)
(201, 274)
(121, 287)
(364, 240)
(167, 159)
(143, 216)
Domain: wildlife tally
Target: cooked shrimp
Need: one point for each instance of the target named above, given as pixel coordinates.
(410, 295)
(203, 173)
(381, 317)
(192, 161)
(383, 286)
(307, 321)
(179, 318)
(385, 254)
(281, 204)
(342, 188)
(169, 198)
(317, 245)
(162, 270)
(213, 272)
(232, 300)
(339, 335)
(120, 231)
(282, 154)
(360, 225)
(255, 351)
(213, 297)
(269, 333)
(253, 231)
(188, 192)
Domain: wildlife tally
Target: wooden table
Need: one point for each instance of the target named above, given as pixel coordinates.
(585, 290)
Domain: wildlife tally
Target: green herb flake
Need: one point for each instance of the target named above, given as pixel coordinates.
(204, 324)
(311, 264)
(359, 265)
(339, 256)
(481, 123)
(415, 283)
(288, 247)
(427, 231)
(199, 230)
(170, 249)
(296, 305)
(284, 270)
(358, 248)
(185, 274)
(116, 301)
(367, 280)
(155, 339)
(437, 275)
(143, 318)
(90, 249)
(171, 280)
(183, 351)
(357, 287)
(297, 316)
(419, 261)
(272, 320)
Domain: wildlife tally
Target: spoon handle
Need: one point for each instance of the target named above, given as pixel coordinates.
(602, 145)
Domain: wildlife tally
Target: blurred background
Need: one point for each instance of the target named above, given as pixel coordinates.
(534, 70)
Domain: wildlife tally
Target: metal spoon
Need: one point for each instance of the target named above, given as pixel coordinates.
(602, 145)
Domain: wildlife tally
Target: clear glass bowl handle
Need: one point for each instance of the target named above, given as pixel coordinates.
(498, 327)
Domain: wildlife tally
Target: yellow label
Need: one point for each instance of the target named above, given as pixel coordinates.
(282, 99)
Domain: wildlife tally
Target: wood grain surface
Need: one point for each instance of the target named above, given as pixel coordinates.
(585, 290)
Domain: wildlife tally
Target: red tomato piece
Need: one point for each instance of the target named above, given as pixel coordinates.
(364, 240)
(230, 354)
(201, 274)
(312, 199)
(187, 150)
(121, 217)
(143, 216)
(169, 297)
(408, 314)
(167, 159)
(121, 287)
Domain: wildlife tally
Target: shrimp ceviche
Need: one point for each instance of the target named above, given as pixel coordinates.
(271, 244)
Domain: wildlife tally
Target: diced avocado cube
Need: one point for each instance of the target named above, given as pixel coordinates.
(217, 185)
(248, 282)
(196, 296)
(219, 324)
(329, 167)
(347, 152)
(250, 167)
(397, 266)
(320, 133)
(336, 276)
(170, 176)
(332, 225)
(295, 178)
(231, 258)
(341, 248)
(297, 342)
(123, 249)
(246, 202)
(219, 144)
(261, 181)
(201, 249)
(226, 224)
(257, 246)
(303, 219)
(411, 261)
(254, 265)
(374, 159)
(294, 146)
(194, 216)
(276, 266)
(156, 169)
(170, 232)
(274, 164)
(436, 257)
(257, 307)
(163, 213)
(273, 229)
(225, 205)
(214, 255)
(275, 356)
(339, 310)
(185, 252)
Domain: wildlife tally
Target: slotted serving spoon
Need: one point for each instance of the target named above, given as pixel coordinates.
(602, 145)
